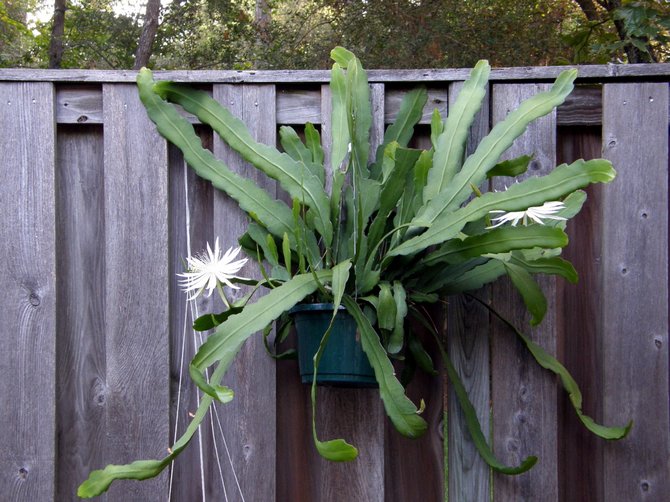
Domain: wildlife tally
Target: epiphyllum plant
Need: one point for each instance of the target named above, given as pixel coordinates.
(395, 232)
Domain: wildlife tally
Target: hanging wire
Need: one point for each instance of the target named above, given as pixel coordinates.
(192, 308)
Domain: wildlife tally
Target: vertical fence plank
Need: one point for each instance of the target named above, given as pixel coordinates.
(524, 396)
(249, 420)
(580, 451)
(28, 300)
(136, 289)
(195, 473)
(468, 346)
(635, 290)
(81, 327)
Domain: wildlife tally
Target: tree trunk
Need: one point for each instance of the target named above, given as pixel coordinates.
(262, 20)
(57, 31)
(145, 45)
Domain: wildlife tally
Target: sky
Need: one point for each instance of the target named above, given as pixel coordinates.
(127, 7)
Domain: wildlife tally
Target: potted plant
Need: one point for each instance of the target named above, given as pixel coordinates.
(395, 232)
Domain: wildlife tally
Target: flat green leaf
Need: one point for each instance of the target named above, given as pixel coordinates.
(208, 321)
(436, 127)
(396, 340)
(313, 143)
(293, 145)
(100, 480)
(532, 294)
(498, 240)
(401, 411)
(450, 146)
(286, 251)
(421, 356)
(294, 177)
(402, 130)
(520, 196)
(393, 187)
(472, 279)
(548, 362)
(276, 216)
(470, 414)
(336, 450)
(552, 266)
(492, 146)
(512, 167)
(386, 307)
(230, 335)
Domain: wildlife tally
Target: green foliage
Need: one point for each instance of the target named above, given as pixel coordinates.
(380, 243)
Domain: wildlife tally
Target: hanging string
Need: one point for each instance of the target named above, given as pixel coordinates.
(192, 308)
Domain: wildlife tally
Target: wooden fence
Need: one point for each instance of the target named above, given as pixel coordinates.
(98, 213)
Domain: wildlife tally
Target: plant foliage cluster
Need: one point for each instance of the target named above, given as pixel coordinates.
(397, 230)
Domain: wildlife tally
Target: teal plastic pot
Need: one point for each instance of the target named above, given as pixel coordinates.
(343, 362)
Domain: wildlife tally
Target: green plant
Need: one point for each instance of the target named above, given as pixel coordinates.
(394, 233)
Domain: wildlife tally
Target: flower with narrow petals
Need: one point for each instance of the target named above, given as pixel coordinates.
(546, 211)
(211, 270)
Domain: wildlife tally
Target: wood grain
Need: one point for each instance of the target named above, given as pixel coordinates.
(578, 345)
(136, 290)
(81, 366)
(82, 104)
(249, 420)
(524, 396)
(467, 336)
(520, 73)
(28, 285)
(635, 291)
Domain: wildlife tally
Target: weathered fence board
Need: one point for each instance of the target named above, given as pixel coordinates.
(136, 290)
(81, 364)
(580, 452)
(467, 333)
(28, 285)
(524, 396)
(126, 211)
(635, 286)
(248, 421)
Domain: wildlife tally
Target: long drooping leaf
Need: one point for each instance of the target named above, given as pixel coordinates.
(470, 414)
(293, 176)
(99, 481)
(531, 192)
(399, 408)
(532, 294)
(470, 280)
(274, 214)
(492, 146)
(336, 450)
(498, 240)
(451, 143)
(547, 361)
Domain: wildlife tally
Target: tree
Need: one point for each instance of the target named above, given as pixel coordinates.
(637, 30)
(15, 37)
(57, 31)
(145, 45)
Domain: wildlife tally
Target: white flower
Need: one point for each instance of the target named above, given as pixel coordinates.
(211, 270)
(535, 213)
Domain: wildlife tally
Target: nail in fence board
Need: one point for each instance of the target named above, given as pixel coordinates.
(136, 290)
(635, 288)
(80, 363)
(249, 420)
(28, 300)
(467, 336)
(524, 396)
